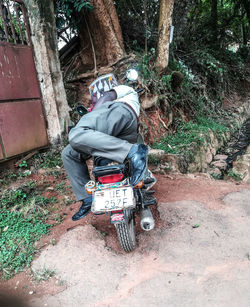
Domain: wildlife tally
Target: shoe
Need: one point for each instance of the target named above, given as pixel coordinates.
(150, 181)
(149, 200)
(84, 209)
(149, 192)
(138, 159)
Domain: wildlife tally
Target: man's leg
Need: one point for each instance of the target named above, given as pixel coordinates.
(77, 170)
(110, 132)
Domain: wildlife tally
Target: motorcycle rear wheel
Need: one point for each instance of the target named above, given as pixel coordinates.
(126, 233)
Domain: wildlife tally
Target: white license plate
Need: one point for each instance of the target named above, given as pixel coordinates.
(113, 199)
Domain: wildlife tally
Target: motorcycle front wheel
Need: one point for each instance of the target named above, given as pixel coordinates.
(126, 233)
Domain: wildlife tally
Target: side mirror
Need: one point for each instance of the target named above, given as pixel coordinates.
(132, 75)
(81, 110)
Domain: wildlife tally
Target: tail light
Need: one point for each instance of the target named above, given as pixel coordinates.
(111, 178)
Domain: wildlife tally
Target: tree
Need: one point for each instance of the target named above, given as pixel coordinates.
(164, 28)
(214, 20)
(98, 29)
(43, 34)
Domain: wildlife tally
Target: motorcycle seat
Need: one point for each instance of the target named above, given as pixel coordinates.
(99, 161)
(99, 171)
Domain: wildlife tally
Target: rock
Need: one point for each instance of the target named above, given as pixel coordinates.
(220, 157)
(156, 152)
(50, 189)
(220, 164)
(209, 156)
(215, 172)
(149, 101)
(242, 166)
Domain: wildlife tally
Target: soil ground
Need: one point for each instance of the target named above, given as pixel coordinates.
(176, 264)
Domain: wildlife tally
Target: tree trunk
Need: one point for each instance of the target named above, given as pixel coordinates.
(164, 28)
(43, 35)
(100, 34)
(246, 6)
(180, 16)
(214, 20)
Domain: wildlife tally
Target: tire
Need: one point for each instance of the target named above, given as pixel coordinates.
(126, 234)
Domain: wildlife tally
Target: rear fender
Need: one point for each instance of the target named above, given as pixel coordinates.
(118, 216)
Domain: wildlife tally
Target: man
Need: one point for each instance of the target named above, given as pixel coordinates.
(110, 130)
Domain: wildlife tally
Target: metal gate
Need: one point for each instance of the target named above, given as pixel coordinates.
(22, 122)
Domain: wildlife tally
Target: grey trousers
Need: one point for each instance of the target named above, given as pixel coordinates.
(108, 132)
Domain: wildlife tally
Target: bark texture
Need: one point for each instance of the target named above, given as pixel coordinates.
(214, 20)
(165, 22)
(43, 35)
(101, 35)
(180, 16)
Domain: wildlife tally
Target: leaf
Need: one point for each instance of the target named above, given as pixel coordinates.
(80, 6)
(196, 225)
(89, 6)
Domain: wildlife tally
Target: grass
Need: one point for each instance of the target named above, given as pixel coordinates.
(48, 159)
(153, 160)
(234, 175)
(24, 210)
(42, 275)
(189, 134)
(23, 216)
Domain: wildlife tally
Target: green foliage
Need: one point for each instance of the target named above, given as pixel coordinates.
(69, 7)
(222, 70)
(234, 175)
(18, 235)
(43, 201)
(42, 275)
(60, 187)
(16, 25)
(136, 25)
(219, 24)
(23, 164)
(196, 225)
(146, 65)
(17, 197)
(153, 160)
(66, 12)
(216, 176)
(22, 222)
(48, 159)
(188, 135)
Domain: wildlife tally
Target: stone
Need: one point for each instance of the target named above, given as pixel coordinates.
(242, 166)
(209, 156)
(220, 157)
(149, 101)
(215, 172)
(220, 164)
(156, 152)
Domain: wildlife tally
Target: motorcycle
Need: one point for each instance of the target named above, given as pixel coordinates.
(111, 188)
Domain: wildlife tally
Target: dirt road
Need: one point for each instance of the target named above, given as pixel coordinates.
(176, 264)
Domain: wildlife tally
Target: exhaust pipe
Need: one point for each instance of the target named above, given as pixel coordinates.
(147, 221)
